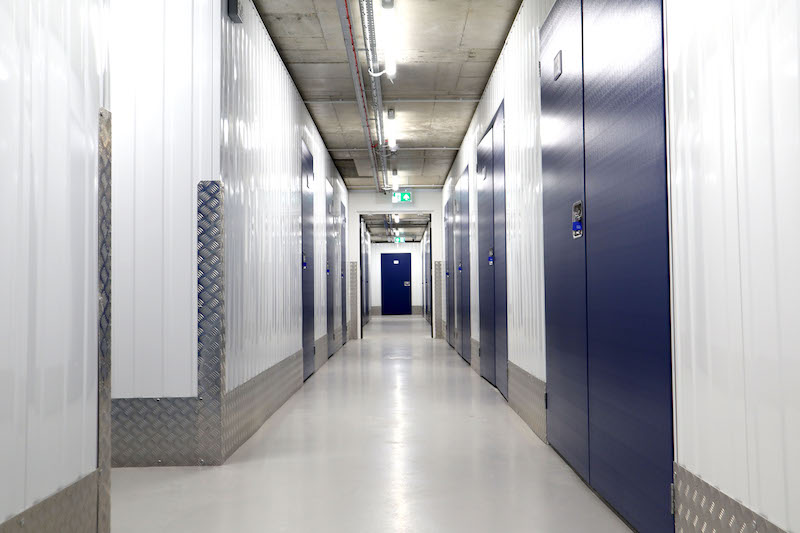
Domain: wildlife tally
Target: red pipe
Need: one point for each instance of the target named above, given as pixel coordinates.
(358, 71)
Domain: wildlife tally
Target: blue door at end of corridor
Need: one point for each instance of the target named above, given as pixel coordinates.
(396, 284)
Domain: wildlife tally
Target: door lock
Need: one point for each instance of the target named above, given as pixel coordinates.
(491, 256)
(304, 262)
(577, 220)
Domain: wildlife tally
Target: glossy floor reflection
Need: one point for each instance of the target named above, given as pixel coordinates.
(394, 433)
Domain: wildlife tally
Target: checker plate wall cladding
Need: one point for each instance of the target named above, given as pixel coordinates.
(104, 323)
(343, 271)
(564, 257)
(702, 508)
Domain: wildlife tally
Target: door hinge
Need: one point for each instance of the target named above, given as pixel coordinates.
(545, 401)
(672, 498)
(540, 69)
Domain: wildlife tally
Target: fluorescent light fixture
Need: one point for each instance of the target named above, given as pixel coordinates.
(388, 38)
(395, 186)
(397, 219)
(391, 130)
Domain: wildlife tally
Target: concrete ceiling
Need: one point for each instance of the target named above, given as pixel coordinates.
(448, 49)
(409, 225)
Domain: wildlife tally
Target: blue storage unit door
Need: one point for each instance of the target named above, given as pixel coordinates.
(564, 243)
(307, 206)
(609, 372)
(396, 284)
(330, 267)
(492, 300)
(448, 271)
(627, 258)
(462, 266)
(486, 256)
(500, 282)
(343, 243)
(455, 225)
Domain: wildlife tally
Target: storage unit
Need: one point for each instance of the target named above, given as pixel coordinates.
(492, 255)
(307, 194)
(606, 252)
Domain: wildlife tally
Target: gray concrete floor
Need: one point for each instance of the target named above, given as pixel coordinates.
(394, 433)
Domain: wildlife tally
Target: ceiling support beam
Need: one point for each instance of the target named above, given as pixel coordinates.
(401, 149)
(352, 59)
(399, 101)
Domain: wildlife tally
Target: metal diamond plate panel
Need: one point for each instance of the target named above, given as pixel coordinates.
(186, 431)
(437, 299)
(210, 321)
(71, 510)
(526, 397)
(247, 407)
(701, 508)
(104, 323)
(353, 305)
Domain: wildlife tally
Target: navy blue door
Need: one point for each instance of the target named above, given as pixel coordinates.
(448, 271)
(462, 268)
(499, 219)
(486, 256)
(492, 299)
(628, 304)
(564, 251)
(307, 205)
(396, 284)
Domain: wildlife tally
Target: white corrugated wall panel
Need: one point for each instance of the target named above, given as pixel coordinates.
(163, 110)
(733, 74)
(263, 122)
(515, 83)
(51, 77)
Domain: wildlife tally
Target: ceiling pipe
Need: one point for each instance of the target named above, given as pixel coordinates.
(352, 59)
(371, 43)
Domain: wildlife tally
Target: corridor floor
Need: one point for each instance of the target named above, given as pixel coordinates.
(395, 433)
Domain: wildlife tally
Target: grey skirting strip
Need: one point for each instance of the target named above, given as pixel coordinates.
(70, 510)
(475, 355)
(248, 406)
(526, 397)
(701, 508)
(416, 310)
(320, 352)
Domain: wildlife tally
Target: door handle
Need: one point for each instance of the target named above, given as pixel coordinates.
(577, 220)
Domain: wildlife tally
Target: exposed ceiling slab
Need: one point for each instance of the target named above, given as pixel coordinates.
(447, 50)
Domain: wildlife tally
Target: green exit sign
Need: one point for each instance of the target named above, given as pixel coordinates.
(401, 197)
(399, 239)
